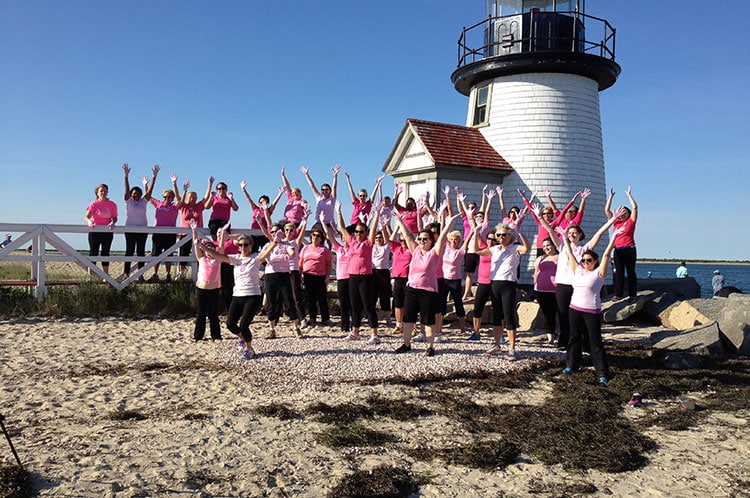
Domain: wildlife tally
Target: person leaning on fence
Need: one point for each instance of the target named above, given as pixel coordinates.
(190, 211)
(101, 212)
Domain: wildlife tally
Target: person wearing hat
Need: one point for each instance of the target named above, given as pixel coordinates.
(717, 282)
(8, 240)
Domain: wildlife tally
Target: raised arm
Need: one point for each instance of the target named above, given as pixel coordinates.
(490, 195)
(447, 227)
(375, 189)
(525, 247)
(447, 193)
(349, 184)
(243, 187)
(604, 263)
(608, 205)
(598, 235)
(284, 181)
(306, 171)
(209, 198)
(150, 189)
(483, 207)
(398, 188)
(126, 170)
(552, 204)
(272, 207)
(176, 190)
(572, 261)
(537, 210)
(405, 232)
(342, 226)
(335, 182)
(633, 205)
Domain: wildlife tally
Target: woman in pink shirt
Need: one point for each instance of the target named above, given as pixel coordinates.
(191, 210)
(625, 253)
(361, 280)
(453, 259)
(295, 208)
(342, 273)
(483, 286)
(422, 286)
(207, 285)
(408, 213)
(361, 204)
(545, 268)
(221, 204)
(316, 262)
(101, 212)
(586, 308)
(166, 216)
(400, 275)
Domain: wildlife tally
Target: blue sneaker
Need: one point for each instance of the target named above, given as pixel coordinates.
(603, 381)
(503, 340)
(474, 337)
(567, 371)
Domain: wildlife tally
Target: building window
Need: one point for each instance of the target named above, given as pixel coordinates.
(481, 105)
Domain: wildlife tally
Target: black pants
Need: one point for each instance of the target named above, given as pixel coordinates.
(481, 297)
(453, 288)
(625, 262)
(503, 296)
(563, 294)
(227, 283)
(298, 295)
(278, 289)
(384, 292)
(317, 296)
(135, 243)
(241, 313)
(100, 242)
(342, 289)
(588, 326)
(361, 289)
(207, 306)
(399, 291)
(548, 304)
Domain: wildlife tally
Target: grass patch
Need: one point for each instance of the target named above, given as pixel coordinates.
(383, 481)
(486, 454)
(343, 436)
(278, 410)
(395, 409)
(15, 301)
(345, 413)
(558, 489)
(15, 482)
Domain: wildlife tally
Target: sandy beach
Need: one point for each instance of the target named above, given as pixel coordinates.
(132, 408)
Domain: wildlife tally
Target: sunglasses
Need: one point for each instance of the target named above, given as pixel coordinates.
(316, 235)
(501, 234)
(244, 244)
(221, 188)
(423, 239)
(289, 229)
(359, 231)
(587, 260)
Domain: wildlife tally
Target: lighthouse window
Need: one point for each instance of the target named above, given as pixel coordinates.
(481, 105)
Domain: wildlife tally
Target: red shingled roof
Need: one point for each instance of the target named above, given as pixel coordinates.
(457, 145)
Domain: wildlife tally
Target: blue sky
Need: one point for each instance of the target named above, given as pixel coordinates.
(235, 89)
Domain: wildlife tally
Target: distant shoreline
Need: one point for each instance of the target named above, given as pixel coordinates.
(694, 262)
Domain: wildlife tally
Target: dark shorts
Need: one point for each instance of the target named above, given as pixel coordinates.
(420, 302)
(471, 262)
(162, 242)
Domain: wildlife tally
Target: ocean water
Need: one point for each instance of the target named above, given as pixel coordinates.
(734, 275)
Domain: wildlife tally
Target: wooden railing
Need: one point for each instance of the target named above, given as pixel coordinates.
(40, 238)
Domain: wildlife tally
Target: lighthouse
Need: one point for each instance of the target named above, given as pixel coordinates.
(533, 70)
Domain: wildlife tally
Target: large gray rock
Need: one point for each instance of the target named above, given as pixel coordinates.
(702, 341)
(529, 316)
(711, 308)
(683, 288)
(657, 303)
(683, 316)
(623, 309)
(735, 322)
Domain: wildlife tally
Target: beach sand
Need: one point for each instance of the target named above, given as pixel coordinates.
(135, 408)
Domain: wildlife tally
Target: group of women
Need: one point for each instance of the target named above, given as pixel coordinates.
(406, 256)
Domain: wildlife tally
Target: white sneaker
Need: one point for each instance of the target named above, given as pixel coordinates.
(438, 338)
(374, 339)
(249, 353)
(352, 337)
(419, 337)
(494, 350)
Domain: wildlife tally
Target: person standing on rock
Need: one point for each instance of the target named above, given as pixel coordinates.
(717, 282)
(625, 254)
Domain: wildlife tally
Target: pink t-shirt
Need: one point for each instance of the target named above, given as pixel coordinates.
(278, 260)
(423, 271)
(360, 207)
(409, 218)
(360, 257)
(342, 262)
(208, 270)
(452, 263)
(166, 213)
(483, 271)
(587, 286)
(294, 210)
(401, 260)
(222, 208)
(624, 233)
(102, 212)
(315, 260)
(545, 279)
(188, 213)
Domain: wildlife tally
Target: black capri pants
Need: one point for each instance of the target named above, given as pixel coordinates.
(503, 296)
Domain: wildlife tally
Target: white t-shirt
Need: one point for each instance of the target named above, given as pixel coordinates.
(246, 276)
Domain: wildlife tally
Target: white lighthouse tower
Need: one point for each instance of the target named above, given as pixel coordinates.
(533, 70)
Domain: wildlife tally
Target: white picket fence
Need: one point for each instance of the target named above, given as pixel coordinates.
(42, 238)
